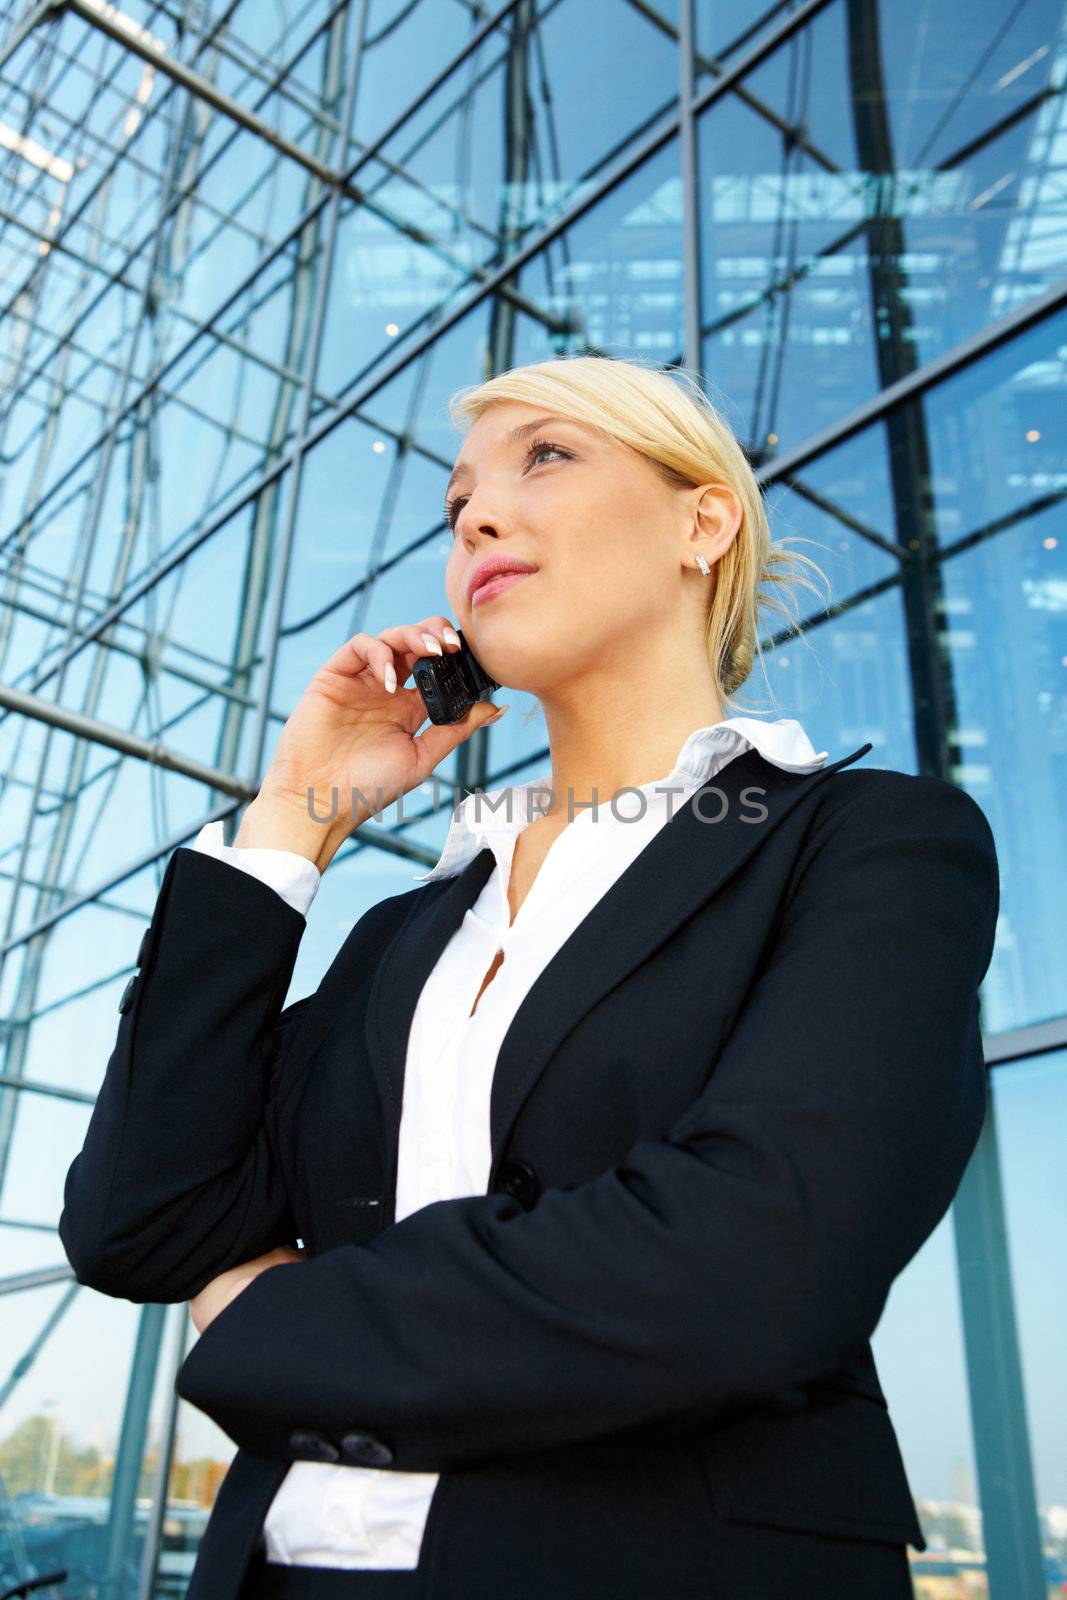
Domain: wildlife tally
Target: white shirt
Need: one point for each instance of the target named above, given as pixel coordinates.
(350, 1516)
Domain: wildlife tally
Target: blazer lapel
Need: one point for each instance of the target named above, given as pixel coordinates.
(680, 868)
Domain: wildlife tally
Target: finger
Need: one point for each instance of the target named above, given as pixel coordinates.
(411, 641)
(399, 647)
(354, 656)
(443, 630)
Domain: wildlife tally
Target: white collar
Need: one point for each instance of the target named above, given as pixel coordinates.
(510, 808)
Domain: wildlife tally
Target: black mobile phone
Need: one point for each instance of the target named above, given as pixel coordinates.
(451, 683)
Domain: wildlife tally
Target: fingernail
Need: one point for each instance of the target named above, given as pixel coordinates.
(451, 636)
(432, 644)
(497, 714)
(390, 679)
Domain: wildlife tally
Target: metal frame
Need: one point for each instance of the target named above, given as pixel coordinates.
(690, 165)
(781, 469)
(489, 282)
(105, 18)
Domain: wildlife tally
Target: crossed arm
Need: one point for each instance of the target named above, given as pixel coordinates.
(217, 1295)
(742, 1253)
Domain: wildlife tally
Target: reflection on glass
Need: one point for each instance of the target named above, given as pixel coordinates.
(998, 496)
(869, 200)
(80, 1461)
(613, 282)
(918, 1350)
(1030, 1101)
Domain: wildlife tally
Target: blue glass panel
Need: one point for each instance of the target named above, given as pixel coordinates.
(996, 435)
(904, 219)
(1030, 1104)
(613, 282)
(919, 1352)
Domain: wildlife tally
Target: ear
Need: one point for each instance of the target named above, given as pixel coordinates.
(714, 523)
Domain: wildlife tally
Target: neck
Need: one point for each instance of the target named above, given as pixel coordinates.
(604, 736)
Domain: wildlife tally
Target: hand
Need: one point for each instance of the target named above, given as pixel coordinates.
(349, 731)
(216, 1295)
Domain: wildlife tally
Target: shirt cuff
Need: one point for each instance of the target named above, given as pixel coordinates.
(293, 876)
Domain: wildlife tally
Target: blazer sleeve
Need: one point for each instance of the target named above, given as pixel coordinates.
(745, 1252)
(289, 874)
(178, 1178)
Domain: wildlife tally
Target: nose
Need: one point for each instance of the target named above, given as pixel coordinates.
(482, 511)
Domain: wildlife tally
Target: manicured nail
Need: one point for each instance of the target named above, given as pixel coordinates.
(390, 679)
(497, 714)
(451, 636)
(432, 644)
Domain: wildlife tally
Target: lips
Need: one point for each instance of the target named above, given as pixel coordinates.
(494, 569)
(495, 585)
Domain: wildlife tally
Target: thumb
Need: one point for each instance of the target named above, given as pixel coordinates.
(481, 712)
(441, 738)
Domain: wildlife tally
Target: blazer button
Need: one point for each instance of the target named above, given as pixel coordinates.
(312, 1446)
(127, 994)
(364, 1447)
(519, 1179)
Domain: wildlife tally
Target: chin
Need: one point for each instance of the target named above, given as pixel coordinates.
(519, 659)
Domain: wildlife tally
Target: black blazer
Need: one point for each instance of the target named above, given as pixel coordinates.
(727, 1114)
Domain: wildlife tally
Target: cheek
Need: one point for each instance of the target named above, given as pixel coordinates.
(453, 582)
(608, 525)
(636, 515)
(607, 544)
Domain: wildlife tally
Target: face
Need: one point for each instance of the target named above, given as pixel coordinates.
(608, 539)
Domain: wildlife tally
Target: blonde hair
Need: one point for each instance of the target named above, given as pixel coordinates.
(666, 416)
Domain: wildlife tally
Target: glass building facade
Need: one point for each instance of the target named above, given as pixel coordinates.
(247, 251)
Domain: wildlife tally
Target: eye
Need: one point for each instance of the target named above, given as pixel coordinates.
(452, 507)
(541, 445)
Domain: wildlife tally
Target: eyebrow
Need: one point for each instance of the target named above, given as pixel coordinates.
(513, 435)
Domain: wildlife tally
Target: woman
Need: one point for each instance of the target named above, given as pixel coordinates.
(607, 1141)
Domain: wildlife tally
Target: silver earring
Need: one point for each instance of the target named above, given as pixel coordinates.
(702, 564)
